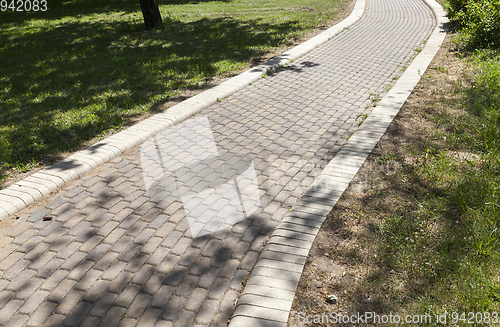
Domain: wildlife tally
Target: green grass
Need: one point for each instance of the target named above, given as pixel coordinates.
(86, 68)
(439, 241)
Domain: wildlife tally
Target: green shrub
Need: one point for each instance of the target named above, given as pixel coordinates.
(455, 6)
(481, 23)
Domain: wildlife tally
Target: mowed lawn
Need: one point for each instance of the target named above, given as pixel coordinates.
(83, 69)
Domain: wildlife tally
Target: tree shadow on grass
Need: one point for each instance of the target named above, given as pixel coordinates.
(56, 9)
(63, 85)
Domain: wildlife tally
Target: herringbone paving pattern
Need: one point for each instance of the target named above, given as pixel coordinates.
(165, 234)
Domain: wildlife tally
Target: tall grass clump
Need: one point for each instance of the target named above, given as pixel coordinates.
(484, 100)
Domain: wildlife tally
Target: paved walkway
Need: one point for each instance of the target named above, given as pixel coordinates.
(165, 234)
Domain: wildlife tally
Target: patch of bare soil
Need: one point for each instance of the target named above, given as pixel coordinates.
(345, 258)
(185, 94)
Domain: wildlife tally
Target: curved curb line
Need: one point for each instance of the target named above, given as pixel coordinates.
(269, 292)
(22, 194)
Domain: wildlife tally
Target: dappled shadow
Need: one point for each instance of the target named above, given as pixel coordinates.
(87, 78)
(148, 272)
(452, 26)
(269, 67)
(297, 68)
(57, 9)
(128, 250)
(444, 258)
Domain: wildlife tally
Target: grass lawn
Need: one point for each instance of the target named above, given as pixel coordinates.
(83, 69)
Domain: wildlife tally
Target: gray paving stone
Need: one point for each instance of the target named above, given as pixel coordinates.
(106, 260)
(41, 313)
(54, 320)
(69, 302)
(127, 295)
(206, 312)
(208, 277)
(113, 316)
(219, 288)
(196, 298)
(158, 255)
(187, 285)
(249, 260)
(162, 296)
(20, 279)
(220, 320)
(53, 279)
(25, 236)
(143, 274)
(90, 321)
(172, 309)
(105, 301)
(88, 280)
(139, 304)
(228, 302)
(186, 318)
(73, 260)
(149, 317)
(29, 288)
(127, 322)
(171, 239)
(17, 320)
(61, 290)
(8, 310)
(238, 279)
(119, 283)
(199, 266)
(113, 270)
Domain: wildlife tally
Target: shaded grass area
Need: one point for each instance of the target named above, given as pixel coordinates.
(83, 69)
(418, 231)
(438, 224)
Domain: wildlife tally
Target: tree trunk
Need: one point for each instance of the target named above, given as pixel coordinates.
(151, 13)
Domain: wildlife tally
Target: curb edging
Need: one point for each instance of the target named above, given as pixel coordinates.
(279, 268)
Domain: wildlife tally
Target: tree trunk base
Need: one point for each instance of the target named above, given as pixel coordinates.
(151, 13)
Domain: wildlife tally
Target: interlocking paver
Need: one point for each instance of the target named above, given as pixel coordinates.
(166, 234)
(17, 321)
(103, 304)
(172, 310)
(206, 312)
(42, 312)
(113, 316)
(69, 302)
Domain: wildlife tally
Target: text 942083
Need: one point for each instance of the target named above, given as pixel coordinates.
(23, 5)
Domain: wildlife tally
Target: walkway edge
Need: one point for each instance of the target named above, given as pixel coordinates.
(22, 194)
(278, 270)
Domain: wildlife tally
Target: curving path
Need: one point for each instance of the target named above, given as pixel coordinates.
(167, 233)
